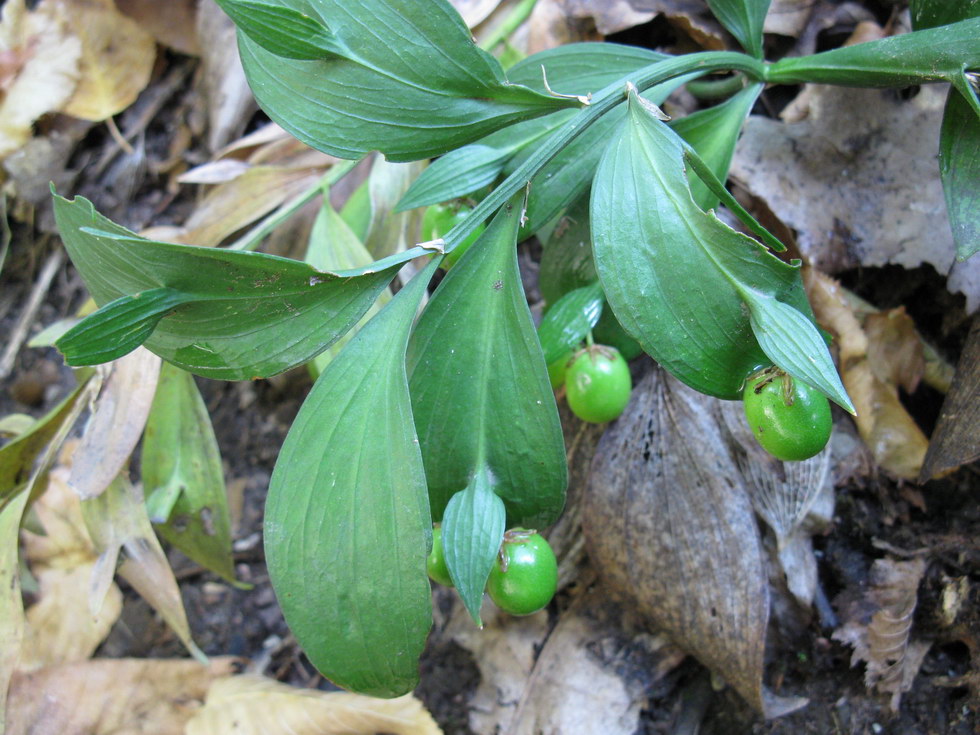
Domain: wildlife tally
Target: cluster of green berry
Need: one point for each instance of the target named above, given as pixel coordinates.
(524, 576)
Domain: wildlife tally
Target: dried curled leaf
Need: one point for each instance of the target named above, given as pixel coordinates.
(884, 641)
(670, 525)
(252, 704)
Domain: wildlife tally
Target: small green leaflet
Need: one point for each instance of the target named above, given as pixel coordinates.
(409, 82)
(347, 525)
(793, 343)
(568, 321)
(121, 326)
(931, 55)
(472, 530)
(283, 31)
(673, 273)
(182, 474)
(480, 388)
(243, 315)
(713, 133)
(744, 19)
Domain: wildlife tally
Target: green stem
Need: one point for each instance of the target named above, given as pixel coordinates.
(602, 102)
(254, 237)
(511, 23)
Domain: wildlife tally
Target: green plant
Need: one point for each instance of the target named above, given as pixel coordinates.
(450, 417)
(788, 418)
(435, 564)
(525, 576)
(598, 384)
(440, 219)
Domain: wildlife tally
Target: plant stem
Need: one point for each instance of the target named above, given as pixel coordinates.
(511, 23)
(716, 89)
(603, 102)
(254, 237)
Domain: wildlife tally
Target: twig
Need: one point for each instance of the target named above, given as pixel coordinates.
(17, 337)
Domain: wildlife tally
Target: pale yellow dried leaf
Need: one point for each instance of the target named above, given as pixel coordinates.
(11, 605)
(117, 59)
(47, 69)
(104, 697)
(119, 525)
(60, 628)
(117, 424)
(66, 543)
(253, 705)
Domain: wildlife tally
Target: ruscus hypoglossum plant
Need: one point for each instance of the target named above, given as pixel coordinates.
(449, 416)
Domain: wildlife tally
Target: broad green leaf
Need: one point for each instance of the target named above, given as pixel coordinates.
(480, 386)
(713, 132)
(411, 83)
(283, 31)
(182, 475)
(959, 137)
(252, 315)
(18, 456)
(793, 342)
(333, 246)
(472, 529)
(356, 211)
(581, 68)
(568, 320)
(932, 13)
(743, 19)
(673, 273)
(11, 602)
(119, 327)
(959, 167)
(347, 525)
(931, 55)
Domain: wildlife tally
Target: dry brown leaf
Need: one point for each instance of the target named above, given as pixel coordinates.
(896, 442)
(895, 348)
(45, 71)
(120, 527)
(60, 628)
(475, 12)
(253, 704)
(670, 526)
(110, 697)
(225, 89)
(859, 181)
(788, 17)
(244, 199)
(11, 604)
(117, 423)
(171, 23)
(117, 58)
(883, 642)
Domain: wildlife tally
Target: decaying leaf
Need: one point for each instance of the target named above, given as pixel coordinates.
(120, 527)
(11, 604)
(859, 181)
(249, 704)
(111, 696)
(389, 232)
(45, 71)
(895, 348)
(228, 96)
(880, 632)
(116, 424)
(671, 528)
(896, 442)
(116, 62)
(170, 23)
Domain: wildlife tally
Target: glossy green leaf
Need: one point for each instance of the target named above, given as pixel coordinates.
(568, 320)
(743, 19)
(567, 262)
(356, 211)
(333, 246)
(282, 30)
(18, 456)
(932, 13)
(931, 55)
(480, 387)
(793, 342)
(713, 133)
(673, 273)
(411, 83)
(581, 68)
(183, 479)
(248, 315)
(347, 525)
(472, 529)
(119, 327)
